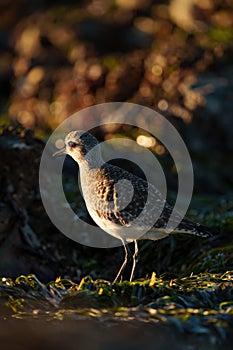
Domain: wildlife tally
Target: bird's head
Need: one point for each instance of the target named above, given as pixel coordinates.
(78, 144)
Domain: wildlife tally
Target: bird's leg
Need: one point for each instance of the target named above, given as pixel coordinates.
(124, 263)
(134, 259)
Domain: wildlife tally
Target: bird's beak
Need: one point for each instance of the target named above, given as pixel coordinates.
(61, 152)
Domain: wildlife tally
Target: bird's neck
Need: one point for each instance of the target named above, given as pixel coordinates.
(88, 169)
(95, 161)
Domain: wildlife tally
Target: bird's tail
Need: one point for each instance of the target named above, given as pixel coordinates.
(189, 227)
(185, 226)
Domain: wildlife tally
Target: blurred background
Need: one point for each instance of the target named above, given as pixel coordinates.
(173, 56)
(59, 57)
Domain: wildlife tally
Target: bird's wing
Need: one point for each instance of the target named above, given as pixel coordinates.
(122, 209)
(122, 196)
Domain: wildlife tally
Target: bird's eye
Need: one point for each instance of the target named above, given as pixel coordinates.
(72, 144)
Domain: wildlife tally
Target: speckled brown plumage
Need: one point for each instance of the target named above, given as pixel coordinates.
(115, 198)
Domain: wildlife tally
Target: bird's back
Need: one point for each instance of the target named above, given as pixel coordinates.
(115, 197)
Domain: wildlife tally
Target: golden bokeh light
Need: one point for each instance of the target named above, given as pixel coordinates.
(59, 143)
(146, 141)
(163, 105)
(160, 150)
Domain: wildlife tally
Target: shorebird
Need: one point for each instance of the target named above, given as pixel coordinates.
(112, 211)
